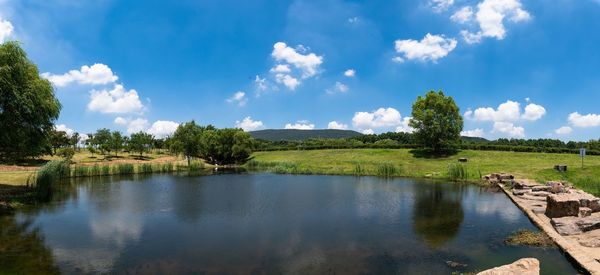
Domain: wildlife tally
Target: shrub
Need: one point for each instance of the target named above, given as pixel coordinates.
(66, 153)
(386, 169)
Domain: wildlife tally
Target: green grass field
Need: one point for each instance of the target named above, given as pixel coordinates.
(538, 166)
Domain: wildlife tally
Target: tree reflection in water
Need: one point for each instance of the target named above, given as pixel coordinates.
(437, 213)
(22, 249)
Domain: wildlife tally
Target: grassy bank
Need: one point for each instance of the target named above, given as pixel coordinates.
(403, 163)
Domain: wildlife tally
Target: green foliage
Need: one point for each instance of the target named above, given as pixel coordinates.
(359, 169)
(58, 139)
(437, 122)
(140, 142)
(186, 140)
(196, 166)
(124, 169)
(301, 135)
(28, 106)
(386, 169)
(145, 168)
(66, 153)
(48, 175)
(458, 171)
(116, 142)
(102, 140)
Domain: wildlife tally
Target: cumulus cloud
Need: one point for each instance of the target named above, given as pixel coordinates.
(565, 130)
(6, 30)
(162, 128)
(509, 129)
(465, 14)
(120, 121)
(533, 112)
(473, 133)
(94, 75)
(247, 124)
(137, 125)
(506, 112)
(441, 5)
(368, 132)
(338, 87)
(287, 80)
(382, 117)
(337, 125)
(430, 48)
(238, 98)
(584, 121)
(64, 128)
(490, 17)
(350, 73)
(261, 83)
(300, 125)
(116, 101)
(308, 64)
(405, 127)
(281, 69)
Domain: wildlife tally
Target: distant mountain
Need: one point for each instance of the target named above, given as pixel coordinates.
(474, 139)
(299, 135)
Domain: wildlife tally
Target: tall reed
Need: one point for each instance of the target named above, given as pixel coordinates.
(458, 171)
(386, 169)
(49, 174)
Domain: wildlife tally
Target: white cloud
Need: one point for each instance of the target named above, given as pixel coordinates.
(64, 128)
(368, 132)
(339, 87)
(307, 63)
(239, 98)
(261, 83)
(120, 121)
(137, 125)
(405, 127)
(281, 69)
(565, 130)
(337, 125)
(96, 74)
(473, 133)
(463, 15)
(382, 117)
(162, 128)
(350, 73)
(509, 129)
(247, 124)
(300, 125)
(430, 48)
(533, 112)
(116, 101)
(441, 5)
(584, 121)
(353, 19)
(289, 81)
(6, 30)
(508, 111)
(490, 18)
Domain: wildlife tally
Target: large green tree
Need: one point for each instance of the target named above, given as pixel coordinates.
(140, 142)
(186, 140)
(28, 107)
(437, 122)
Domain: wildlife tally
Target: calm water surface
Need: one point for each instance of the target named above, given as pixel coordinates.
(267, 224)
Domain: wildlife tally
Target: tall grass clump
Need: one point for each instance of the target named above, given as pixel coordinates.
(195, 166)
(359, 169)
(124, 169)
(285, 168)
(457, 171)
(166, 167)
(386, 169)
(81, 171)
(145, 168)
(49, 174)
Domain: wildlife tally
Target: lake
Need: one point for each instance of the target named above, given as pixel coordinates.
(257, 223)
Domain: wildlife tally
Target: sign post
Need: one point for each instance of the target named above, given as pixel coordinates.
(582, 154)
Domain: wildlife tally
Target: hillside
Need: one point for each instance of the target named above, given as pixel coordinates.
(299, 135)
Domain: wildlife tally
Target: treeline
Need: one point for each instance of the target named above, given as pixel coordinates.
(393, 140)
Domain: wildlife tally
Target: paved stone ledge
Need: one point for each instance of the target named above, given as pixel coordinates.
(588, 257)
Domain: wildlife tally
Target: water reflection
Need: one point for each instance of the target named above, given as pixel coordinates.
(22, 249)
(437, 213)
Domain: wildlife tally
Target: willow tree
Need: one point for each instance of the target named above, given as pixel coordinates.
(28, 106)
(437, 122)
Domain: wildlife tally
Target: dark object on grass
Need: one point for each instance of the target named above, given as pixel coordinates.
(463, 159)
(560, 168)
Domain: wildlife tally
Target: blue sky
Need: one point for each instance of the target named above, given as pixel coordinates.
(516, 68)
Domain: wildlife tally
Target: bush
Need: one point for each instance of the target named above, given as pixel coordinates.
(48, 175)
(66, 153)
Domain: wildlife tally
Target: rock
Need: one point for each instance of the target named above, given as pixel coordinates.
(540, 194)
(584, 212)
(561, 206)
(525, 266)
(523, 184)
(555, 187)
(566, 226)
(454, 264)
(504, 176)
(593, 242)
(520, 192)
(588, 223)
(538, 188)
